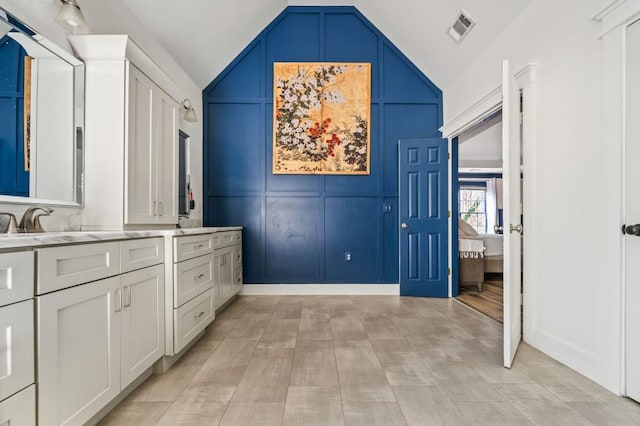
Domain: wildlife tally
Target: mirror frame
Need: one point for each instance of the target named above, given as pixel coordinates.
(78, 116)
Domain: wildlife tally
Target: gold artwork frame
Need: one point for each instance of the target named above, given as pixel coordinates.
(27, 113)
(322, 118)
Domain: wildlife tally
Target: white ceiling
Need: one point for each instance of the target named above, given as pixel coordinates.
(204, 36)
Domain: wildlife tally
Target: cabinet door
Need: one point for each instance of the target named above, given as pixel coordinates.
(140, 172)
(16, 348)
(237, 268)
(225, 275)
(78, 351)
(142, 321)
(20, 409)
(167, 158)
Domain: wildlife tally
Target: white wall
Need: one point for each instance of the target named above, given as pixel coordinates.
(573, 309)
(113, 17)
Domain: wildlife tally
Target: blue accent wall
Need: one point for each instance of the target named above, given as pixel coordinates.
(13, 178)
(299, 227)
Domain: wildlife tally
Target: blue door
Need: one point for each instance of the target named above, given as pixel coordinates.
(423, 217)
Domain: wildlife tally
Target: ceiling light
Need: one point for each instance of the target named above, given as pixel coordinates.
(70, 17)
(189, 112)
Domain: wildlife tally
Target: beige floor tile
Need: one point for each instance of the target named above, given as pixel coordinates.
(576, 393)
(348, 329)
(193, 413)
(373, 413)
(314, 364)
(491, 413)
(253, 414)
(135, 413)
(358, 364)
(607, 413)
(381, 393)
(206, 393)
(288, 308)
(227, 364)
(380, 328)
(280, 334)
(426, 405)
(470, 391)
(315, 329)
(402, 366)
(342, 307)
(313, 405)
(266, 378)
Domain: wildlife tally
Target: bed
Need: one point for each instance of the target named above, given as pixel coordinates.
(478, 254)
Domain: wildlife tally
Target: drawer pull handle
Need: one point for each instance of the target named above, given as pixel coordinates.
(199, 315)
(200, 276)
(199, 246)
(127, 296)
(117, 295)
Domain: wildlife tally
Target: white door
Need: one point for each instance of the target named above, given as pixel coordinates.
(142, 321)
(78, 351)
(512, 214)
(632, 213)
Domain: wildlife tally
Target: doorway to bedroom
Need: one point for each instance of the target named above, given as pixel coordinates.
(478, 195)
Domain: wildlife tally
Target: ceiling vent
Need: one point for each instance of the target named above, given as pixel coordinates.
(462, 26)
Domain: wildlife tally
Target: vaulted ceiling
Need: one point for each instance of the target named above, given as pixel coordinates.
(204, 36)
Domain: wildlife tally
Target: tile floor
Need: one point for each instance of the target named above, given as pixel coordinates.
(364, 360)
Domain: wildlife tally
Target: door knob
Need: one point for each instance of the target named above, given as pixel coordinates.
(404, 226)
(516, 228)
(631, 229)
(498, 229)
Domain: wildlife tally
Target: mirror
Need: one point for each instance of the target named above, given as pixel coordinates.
(184, 184)
(42, 118)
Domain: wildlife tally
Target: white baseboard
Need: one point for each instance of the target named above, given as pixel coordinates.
(320, 289)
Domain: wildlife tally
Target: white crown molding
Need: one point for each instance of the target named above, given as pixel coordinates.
(488, 105)
(320, 289)
(108, 47)
(618, 12)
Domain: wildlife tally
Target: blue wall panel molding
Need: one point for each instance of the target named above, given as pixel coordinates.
(303, 228)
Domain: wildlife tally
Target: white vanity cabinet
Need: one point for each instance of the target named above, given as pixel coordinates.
(131, 148)
(228, 264)
(17, 389)
(95, 338)
(190, 264)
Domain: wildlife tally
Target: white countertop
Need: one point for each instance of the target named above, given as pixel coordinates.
(17, 241)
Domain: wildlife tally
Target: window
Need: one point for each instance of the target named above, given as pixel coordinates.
(472, 207)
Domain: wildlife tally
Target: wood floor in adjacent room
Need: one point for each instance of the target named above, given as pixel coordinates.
(489, 301)
(364, 360)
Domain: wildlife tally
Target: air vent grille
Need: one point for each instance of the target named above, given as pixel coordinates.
(461, 26)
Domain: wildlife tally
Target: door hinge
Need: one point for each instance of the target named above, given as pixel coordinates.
(521, 118)
(448, 271)
(448, 213)
(521, 300)
(448, 156)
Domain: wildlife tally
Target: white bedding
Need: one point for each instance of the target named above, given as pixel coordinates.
(493, 245)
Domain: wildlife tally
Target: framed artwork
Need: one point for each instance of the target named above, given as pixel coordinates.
(321, 118)
(27, 113)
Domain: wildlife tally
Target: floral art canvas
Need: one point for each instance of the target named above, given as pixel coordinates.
(321, 118)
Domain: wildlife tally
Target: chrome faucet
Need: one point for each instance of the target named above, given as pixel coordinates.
(31, 219)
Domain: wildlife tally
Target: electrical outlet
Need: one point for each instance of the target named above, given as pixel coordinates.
(347, 256)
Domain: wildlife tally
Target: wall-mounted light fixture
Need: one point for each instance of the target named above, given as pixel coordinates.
(189, 112)
(70, 17)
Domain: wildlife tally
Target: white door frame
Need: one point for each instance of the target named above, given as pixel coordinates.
(615, 18)
(473, 116)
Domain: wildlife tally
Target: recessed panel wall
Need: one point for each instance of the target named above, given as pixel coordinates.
(306, 228)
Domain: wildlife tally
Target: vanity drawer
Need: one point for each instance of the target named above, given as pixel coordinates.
(226, 238)
(192, 277)
(138, 254)
(16, 277)
(192, 317)
(20, 409)
(191, 246)
(16, 348)
(66, 266)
